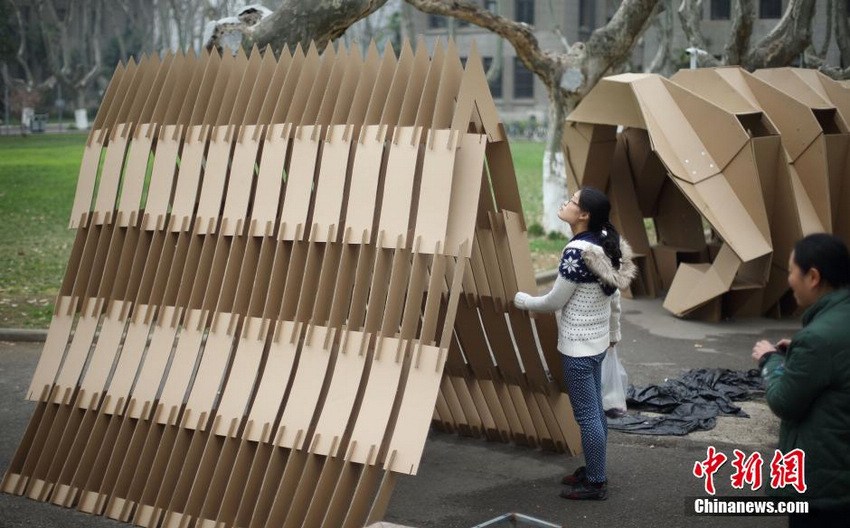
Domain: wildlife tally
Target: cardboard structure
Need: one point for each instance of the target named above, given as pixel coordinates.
(284, 269)
(731, 169)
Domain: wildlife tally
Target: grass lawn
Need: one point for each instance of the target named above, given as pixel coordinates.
(38, 176)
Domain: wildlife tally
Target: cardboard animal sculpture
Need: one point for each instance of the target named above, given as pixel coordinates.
(759, 164)
(283, 270)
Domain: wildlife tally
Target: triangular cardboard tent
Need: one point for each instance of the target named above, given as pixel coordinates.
(716, 133)
(283, 270)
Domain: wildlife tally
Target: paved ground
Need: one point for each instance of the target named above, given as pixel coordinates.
(463, 482)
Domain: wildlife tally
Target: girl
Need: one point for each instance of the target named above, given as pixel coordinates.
(595, 265)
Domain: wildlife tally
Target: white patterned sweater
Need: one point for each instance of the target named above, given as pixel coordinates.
(586, 291)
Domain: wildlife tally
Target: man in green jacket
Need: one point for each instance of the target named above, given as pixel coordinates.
(808, 381)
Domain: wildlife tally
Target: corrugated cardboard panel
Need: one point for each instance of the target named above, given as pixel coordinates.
(335, 109)
(345, 70)
(54, 348)
(810, 220)
(270, 77)
(162, 176)
(813, 171)
(465, 188)
(678, 223)
(696, 284)
(331, 183)
(611, 102)
(420, 390)
(787, 80)
(433, 210)
(188, 178)
(272, 384)
(390, 107)
(341, 395)
(215, 175)
(365, 175)
(110, 174)
(401, 168)
(321, 83)
(278, 107)
(413, 90)
(130, 358)
(299, 184)
(684, 152)
(86, 182)
(447, 92)
(379, 85)
(240, 180)
(209, 377)
(792, 119)
(474, 100)
(105, 353)
(162, 338)
(267, 195)
(378, 398)
(185, 358)
(716, 86)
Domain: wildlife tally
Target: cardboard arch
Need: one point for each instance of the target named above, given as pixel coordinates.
(321, 268)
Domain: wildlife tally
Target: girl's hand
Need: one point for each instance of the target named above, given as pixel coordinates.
(519, 300)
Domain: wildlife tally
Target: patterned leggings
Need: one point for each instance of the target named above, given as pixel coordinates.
(583, 376)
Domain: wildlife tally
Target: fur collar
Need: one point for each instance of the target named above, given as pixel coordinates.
(599, 263)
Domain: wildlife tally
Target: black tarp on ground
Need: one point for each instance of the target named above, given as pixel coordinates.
(689, 403)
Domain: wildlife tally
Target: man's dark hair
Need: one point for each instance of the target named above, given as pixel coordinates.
(826, 253)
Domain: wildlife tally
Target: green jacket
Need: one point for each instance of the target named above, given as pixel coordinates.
(809, 389)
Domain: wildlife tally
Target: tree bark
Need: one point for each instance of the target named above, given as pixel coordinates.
(842, 32)
(663, 62)
(690, 15)
(791, 36)
(743, 14)
(303, 21)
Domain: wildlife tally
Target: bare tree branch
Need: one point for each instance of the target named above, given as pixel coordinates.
(788, 39)
(743, 15)
(842, 32)
(520, 35)
(610, 45)
(20, 56)
(662, 63)
(690, 15)
(303, 21)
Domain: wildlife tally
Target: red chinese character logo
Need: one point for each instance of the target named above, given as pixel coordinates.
(788, 469)
(708, 467)
(747, 471)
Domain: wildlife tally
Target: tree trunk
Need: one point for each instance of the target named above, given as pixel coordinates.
(690, 15)
(555, 190)
(842, 32)
(663, 62)
(742, 28)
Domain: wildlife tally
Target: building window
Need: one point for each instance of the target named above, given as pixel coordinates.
(770, 8)
(524, 11)
(495, 84)
(586, 18)
(491, 5)
(523, 81)
(437, 22)
(720, 9)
